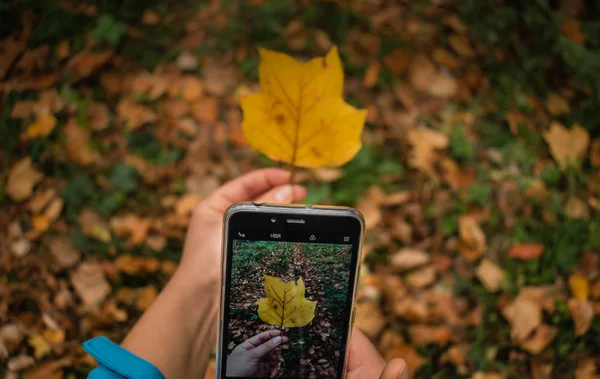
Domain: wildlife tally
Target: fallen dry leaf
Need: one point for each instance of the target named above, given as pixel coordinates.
(371, 75)
(187, 61)
(526, 251)
(408, 259)
(43, 125)
(542, 336)
(20, 247)
(490, 275)
(135, 115)
(90, 284)
(397, 61)
(445, 58)
(77, 144)
(93, 225)
(524, 317)
(426, 142)
(64, 253)
(40, 346)
(576, 209)
(422, 277)
(20, 362)
(587, 368)
(86, 63)
(557, 105)
(582, 313)
(369, 319)
(186, 204)
(22, 179)
(541, 369)
(572, 29)
(488, 375)
(99, 116)
(131, 226)
(462, 46)
(472, 239)
(424, 334)
(206, 110)
(424, 76)
(567, 145)
(49, 370)
(579, 286)
(40, 200)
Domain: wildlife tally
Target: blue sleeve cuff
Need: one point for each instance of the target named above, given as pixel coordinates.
(114, 362)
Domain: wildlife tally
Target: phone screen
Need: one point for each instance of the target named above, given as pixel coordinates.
(291, 277)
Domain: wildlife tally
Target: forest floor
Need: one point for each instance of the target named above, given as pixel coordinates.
(478, 178)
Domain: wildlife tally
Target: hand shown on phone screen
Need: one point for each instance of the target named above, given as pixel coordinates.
(256, 356)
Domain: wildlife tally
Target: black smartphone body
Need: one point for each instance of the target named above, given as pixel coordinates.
(287, 297)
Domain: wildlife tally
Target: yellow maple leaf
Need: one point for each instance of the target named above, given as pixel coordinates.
(285, 304)
(300, 117)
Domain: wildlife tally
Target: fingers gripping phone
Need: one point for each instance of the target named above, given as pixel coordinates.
(289, 281)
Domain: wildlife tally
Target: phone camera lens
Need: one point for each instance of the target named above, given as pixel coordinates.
(273, 219)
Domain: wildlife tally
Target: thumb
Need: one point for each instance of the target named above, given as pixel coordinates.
(395, 369)
(267, 347)
(283, 194)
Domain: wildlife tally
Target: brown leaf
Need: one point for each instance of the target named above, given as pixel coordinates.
(206, 110)
(112, 82)
(587, 368)
(490, 275)
(64, 253)
(557, 105)
(99, 116)
(577, 209)
(21, 180)
(422, 278)
(567, 145)
(131, 226)
(526, 251)
(397, 198)
(397, 61)
(93, 225)
(135, 115)
(424, 334)
(445, 58)
(63, 49)
(425, 143)
(472, 239)
(595, 153)
(524, 316)
(488, 375)
(369, 206)
(20, 247)
(541, 369)
(77, 144)
(372, 75)
(582, 313)
(187, 61)
(90, 284)
(408, 259)
(369, 319)
(572, 29)
(86, 63)
(424, 76)
(43, 125)
(461, 45)
(49, 370)
(10, 49)
(542, 336)
(20, 362)
(191, 88)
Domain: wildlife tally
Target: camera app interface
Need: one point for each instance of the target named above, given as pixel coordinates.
(288, 309)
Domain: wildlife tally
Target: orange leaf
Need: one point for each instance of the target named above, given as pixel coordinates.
(572, 29)
(526, 251)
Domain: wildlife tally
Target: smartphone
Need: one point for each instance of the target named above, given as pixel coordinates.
(287, 297)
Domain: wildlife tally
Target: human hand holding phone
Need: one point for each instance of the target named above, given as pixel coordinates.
(178, 338)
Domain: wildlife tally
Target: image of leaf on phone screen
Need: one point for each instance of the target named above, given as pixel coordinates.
(286, 315)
